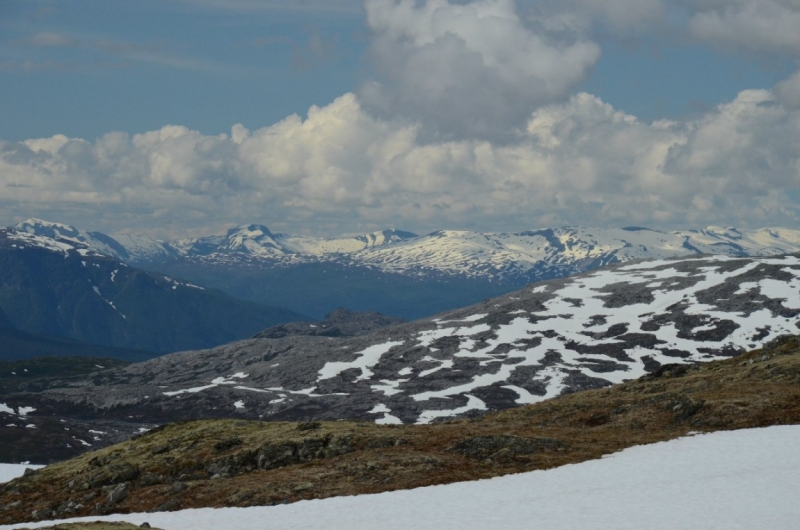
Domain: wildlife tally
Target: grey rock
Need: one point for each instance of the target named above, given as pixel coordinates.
(168, 506)
(117, 495)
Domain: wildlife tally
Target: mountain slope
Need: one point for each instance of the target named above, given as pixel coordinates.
(16, 345)
(339, 323)
(63, 288)
(215, 463)
(557, 337)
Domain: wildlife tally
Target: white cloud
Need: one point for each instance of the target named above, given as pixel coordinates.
(467, 70)
(341, 169)
(758, 26)
(788, 91)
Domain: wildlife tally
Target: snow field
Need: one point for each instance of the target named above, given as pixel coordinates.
(735, 480)
(9, 472)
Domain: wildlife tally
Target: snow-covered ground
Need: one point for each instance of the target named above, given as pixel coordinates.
(746, 480)
(9, 472)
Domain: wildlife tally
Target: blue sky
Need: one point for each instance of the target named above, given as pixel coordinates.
(353, 116)
(136, 66)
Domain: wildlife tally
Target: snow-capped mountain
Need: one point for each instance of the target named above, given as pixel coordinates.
(587, 331)
(399, 273)
(516, 257)
(127, 248)
(528, 255)
(257, 241)
(567, 250)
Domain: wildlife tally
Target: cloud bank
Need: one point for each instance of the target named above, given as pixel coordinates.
(472, 122)
(340, 169)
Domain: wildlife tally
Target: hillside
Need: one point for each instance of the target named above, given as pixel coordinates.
(237, 463)
(16, 345)
(62, 288)
(587, 331)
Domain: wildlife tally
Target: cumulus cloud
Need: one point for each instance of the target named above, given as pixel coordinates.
(342, 169)
(467, 70)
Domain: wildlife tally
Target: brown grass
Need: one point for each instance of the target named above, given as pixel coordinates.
(757, 389)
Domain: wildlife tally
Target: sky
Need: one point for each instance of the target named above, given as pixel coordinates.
(180, 118)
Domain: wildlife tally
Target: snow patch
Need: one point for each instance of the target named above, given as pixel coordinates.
(367, 359)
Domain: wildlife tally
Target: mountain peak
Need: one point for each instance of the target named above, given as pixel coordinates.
(42, 227)
(251, 231)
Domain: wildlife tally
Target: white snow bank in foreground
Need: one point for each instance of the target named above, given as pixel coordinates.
(9, 472)
(746, 480)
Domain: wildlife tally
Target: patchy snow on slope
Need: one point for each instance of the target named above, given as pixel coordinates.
(587, 331)
(366, 360)
(734, 480)
(224, 380)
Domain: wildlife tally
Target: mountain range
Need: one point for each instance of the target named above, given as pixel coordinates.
(399, 273)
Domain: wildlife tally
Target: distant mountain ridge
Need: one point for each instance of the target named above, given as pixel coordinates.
(449, 252)
(60, 286)
(400, 273)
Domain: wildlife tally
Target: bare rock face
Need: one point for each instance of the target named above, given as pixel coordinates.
(339, 323)
(552, 338)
